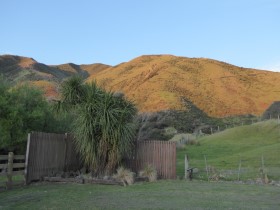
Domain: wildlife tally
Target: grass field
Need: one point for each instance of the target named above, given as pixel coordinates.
(251, 145)
(177, 194)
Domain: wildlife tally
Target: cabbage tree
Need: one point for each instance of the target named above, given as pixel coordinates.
(103, 125)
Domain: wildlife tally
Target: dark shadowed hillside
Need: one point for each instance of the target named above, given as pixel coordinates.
(273, 111)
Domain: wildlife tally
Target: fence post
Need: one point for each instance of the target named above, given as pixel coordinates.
(239, 168)
(264, 173)
(26, 171)
(206, 167)
(186, 166)
(66, 152)
(10, 170)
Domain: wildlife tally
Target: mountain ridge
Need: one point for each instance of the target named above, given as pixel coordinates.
(159, 82)
(20, 69)
(162, 82)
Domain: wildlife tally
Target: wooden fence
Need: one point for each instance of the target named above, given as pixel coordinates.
(49, 153)
(159, 154)
(14, 165)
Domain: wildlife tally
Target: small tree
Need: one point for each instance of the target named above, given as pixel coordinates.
(103, 125)
(23, 109)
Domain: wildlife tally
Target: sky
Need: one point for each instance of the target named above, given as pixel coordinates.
(245, 33)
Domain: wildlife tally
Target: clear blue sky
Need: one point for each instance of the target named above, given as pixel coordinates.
(241, 32)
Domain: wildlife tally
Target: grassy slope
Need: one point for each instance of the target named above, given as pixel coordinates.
(249, 143)
(160, 195)
(219, 89)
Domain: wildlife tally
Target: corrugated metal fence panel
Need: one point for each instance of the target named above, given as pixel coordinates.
(160, 154)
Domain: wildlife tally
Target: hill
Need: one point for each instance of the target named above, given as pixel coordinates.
(273, 112)
(248, 144)
(48, 77)
(160, 82)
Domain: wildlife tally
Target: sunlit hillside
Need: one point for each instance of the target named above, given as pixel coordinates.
(20, 69)
(50, 89)
(84, 69)
(95, 68)
(160, 82)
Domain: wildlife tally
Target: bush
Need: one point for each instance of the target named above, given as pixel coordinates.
(23, 109)
(126, 176)
(150, 172)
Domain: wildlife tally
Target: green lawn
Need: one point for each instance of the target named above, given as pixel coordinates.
(177, 194)
(224, 150)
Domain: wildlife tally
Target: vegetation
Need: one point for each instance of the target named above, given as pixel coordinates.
(103, 124)
(150, 172)
(126, 176)
(165, 125)
(251, 147)
(24, 109)
(158, 195)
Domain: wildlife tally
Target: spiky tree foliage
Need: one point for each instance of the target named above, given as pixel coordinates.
(103, 126)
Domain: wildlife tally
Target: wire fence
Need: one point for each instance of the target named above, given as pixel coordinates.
(212, 129)
(208, 167)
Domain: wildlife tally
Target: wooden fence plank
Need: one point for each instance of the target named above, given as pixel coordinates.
(10, 166)
(27, 158)
(3, 157)
(19, 157)
(49, 153)
(18, 165)
(2, 166)
(160, 154)
(10, 170)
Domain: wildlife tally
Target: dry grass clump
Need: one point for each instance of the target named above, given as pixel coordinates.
(126, 176)
(263, 171)
(150, 172)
